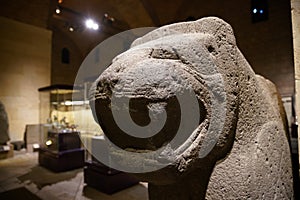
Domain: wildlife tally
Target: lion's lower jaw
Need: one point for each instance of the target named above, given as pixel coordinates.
(189, 187)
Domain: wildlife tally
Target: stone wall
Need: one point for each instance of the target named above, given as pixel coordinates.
(25, 54)
(296, 39)
(64, 73)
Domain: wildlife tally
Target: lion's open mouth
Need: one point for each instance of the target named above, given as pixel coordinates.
(139, 112)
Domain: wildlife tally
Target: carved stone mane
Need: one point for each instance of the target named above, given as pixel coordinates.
(251, 157)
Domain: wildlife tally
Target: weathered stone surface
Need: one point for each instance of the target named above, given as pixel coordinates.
(4, 134)
(251, 158)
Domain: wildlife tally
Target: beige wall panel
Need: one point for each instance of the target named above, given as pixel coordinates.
(25, 57)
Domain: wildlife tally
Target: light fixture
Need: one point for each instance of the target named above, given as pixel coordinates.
(95, 26)
(74, 103)
(108, 19)
(57, 11)
(91, 24)
(259, 10)
(87, 23)
(67, 103)
(48, 142)
(36, 146)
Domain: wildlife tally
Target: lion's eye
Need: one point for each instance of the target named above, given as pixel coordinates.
(164, 54)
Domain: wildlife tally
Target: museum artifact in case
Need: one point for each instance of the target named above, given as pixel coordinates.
(60, 147)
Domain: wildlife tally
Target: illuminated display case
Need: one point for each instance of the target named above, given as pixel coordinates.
(58, 128)
(60, 147)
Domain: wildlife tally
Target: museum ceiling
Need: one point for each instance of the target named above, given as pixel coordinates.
(114, 16)
(128, 13)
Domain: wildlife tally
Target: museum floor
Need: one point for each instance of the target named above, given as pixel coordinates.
(22, 178)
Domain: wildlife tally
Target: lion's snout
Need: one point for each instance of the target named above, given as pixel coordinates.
(145, 90)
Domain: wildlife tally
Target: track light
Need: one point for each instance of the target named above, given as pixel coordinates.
(91, 24)
(57, 10)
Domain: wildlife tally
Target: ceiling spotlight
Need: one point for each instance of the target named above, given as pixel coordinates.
(108, 19)
(57, 11)
(91, 24)
(95, 26)
(71, 29)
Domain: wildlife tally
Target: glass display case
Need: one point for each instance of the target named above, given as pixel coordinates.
(64, 110)
(57, 117)
(60, 143)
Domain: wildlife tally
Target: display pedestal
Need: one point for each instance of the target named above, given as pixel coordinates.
(6, 151)
(32, 137)
(61, 160)
(62, 151)
(63, 140)
(105, 179)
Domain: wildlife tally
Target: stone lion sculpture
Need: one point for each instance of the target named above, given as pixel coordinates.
(246, 157)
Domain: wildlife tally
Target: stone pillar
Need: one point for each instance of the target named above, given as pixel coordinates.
(295, 5)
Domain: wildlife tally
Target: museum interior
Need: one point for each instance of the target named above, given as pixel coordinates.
(52, 53)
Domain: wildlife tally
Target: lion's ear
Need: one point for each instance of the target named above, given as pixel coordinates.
(215, 27)
(208, 25)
